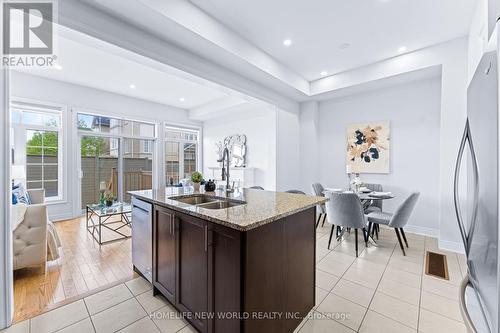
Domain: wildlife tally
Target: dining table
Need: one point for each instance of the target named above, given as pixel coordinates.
(367, 198)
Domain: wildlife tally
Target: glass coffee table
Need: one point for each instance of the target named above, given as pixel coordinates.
(112, 218)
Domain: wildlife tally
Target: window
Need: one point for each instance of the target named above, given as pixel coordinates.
(181, 154)
(38, 145)
(42, 161)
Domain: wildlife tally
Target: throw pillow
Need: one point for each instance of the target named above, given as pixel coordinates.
(22, 196)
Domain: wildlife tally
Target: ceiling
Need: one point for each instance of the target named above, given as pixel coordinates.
(93, 63)
(373, 30)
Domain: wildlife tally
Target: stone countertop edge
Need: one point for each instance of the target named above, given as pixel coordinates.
(237, 217)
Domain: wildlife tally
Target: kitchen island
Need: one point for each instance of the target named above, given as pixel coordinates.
(236, 262)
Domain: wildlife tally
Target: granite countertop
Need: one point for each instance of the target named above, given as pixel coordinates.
(261, 207)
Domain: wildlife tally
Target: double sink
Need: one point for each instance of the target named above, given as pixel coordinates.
(208, 201)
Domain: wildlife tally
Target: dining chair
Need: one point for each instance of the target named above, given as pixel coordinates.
(295, 192)
(257, 187)
(319, 190)
(398, 220)
(375, 206)
(347, 211)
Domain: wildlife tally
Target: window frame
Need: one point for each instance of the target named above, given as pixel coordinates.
(30, 105)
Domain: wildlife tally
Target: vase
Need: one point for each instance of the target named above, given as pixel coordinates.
(196, 186)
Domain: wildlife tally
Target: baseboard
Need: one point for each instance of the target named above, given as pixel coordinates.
(456, 247)
(414, 229)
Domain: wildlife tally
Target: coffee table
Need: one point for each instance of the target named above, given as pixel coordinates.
(99, 217)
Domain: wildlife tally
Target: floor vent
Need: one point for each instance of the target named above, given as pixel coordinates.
(436, 265)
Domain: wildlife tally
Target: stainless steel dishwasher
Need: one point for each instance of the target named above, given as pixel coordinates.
(142, 238)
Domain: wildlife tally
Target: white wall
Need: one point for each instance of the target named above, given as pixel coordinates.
(259, 126)
(288, 150)
(78, 97)
(413, 110)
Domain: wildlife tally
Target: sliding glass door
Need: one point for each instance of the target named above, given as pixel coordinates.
(99, 163)
(115, 152)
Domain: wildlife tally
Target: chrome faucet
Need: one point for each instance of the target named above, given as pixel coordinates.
(225, 169)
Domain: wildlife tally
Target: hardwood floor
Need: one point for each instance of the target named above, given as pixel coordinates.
(83, 267)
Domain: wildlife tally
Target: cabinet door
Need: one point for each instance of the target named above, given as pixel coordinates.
(164, 260)
(192, 279)
(224, 272)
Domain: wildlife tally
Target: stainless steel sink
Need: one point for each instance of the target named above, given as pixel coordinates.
(208, 201)
(196, 199)
(220, 204)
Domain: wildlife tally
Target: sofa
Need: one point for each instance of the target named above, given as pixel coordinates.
(35, 239)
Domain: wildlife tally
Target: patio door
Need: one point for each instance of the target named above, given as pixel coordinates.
(100, 162)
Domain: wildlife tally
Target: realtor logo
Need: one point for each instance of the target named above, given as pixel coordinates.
(27, 28)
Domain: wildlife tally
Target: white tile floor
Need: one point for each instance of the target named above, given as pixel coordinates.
(381, 291)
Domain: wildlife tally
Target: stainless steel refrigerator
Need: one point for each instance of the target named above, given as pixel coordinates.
(478, 220)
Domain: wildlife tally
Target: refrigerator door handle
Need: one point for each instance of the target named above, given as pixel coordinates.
(456, 198)
(475, 205)
(463, 307)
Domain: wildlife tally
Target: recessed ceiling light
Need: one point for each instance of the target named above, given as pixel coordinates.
(324, 73)
(287, 42)
(344, 46)
(58, 67)
(132, 86)
(384, 1)
(182, 99)
(402, 49)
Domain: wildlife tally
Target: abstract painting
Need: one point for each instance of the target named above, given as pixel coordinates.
(368, 148)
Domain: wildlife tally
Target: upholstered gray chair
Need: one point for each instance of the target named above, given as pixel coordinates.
(295, 192)
(319, 190)
(397, 220)
(257, 187)
(376, 206)
(347, 211)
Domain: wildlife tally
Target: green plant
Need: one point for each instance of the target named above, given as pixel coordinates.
(196, 177)
(108, 196)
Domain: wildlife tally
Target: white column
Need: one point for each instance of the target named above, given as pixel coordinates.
(6, 279)
(309, 145)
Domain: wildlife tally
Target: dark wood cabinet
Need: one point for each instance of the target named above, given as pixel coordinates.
(217, 274)
(192, 261)
(164, 252)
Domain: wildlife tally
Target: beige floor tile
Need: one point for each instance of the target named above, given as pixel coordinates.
(168, 321)
(395, 309)
(376, 323)
(363, 264)
(406, 265)
(138, 285)
(440, 287)
(118, 316)
(400, 291)
(330, 265)
(431, 323)
(107, 298)
(363, 276)
(325, 280)
(321, 253)
(59, 318)
(320, 324)
(372, 254)
(22, 327)
(320, 296)
(84, 326)
(151, 303)
(144, 325)
(406, 278)
(188, 329)
(345, 312)
(354, 292)
(441, 305)
(341, 257)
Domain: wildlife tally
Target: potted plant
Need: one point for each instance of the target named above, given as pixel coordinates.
(196, 178)
(109, 198)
